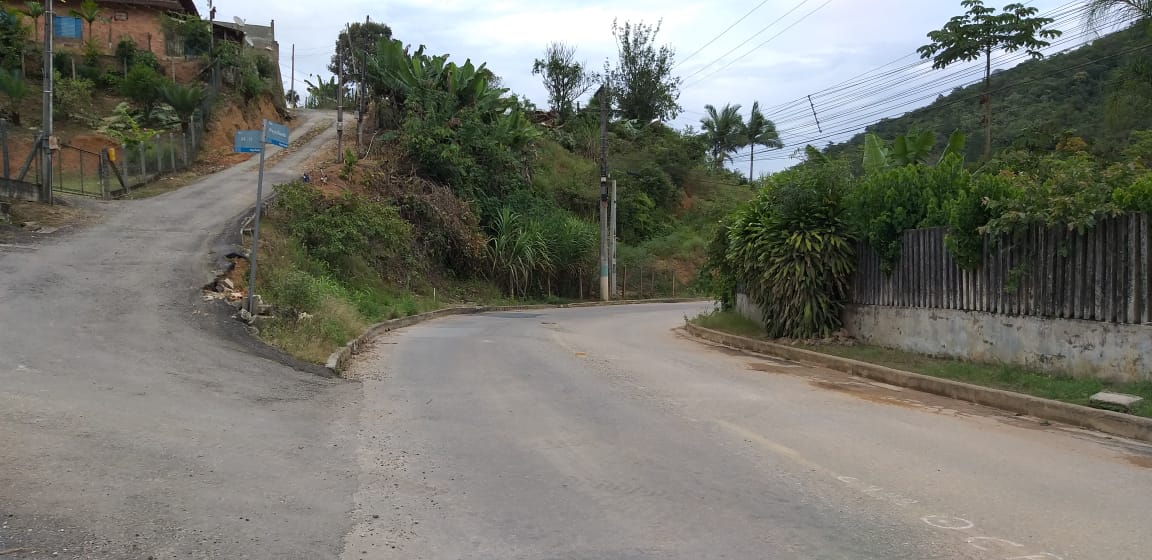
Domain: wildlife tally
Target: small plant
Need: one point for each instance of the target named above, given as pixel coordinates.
(124, 127)
(14, 89)
(74, 96)
(91, 53)
(350, 160)
(126, 51)
(184, 100)
(142, 85)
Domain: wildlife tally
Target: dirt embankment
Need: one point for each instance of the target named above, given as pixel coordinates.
(230, 116)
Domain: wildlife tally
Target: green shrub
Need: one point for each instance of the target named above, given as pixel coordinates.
(264, 67)
(792, 251)
(1136, 197)
(126, 50)
(891, 200)
(969, 212)
(142, 85)
(74, 96)
(348, 225)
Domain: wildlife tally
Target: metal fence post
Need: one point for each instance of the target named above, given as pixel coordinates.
(143, 162)
(192, 129)
(81, 156)
(172, 150)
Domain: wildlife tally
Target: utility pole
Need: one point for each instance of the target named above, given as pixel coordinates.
(612, 250)
(292, 88)
(46, 125)
(363, 103)
(604, 243)
(339, 109)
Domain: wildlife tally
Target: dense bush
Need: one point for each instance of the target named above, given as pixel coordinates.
(791, 249)
(891, 200)
(347, 225)
(969, 212)
(142, 85)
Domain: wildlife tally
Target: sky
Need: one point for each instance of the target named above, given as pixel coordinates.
(780, 52)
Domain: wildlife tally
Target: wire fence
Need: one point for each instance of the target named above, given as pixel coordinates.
(644, 282)
(105, 172)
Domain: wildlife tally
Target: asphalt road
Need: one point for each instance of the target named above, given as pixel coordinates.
(132, 425)
(138, 422)
(603, 434)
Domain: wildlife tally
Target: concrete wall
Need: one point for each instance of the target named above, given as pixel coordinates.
(1112, 351)
(748, 308)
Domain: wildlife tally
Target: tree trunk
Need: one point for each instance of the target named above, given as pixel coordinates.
(987, 104)
(751, 160)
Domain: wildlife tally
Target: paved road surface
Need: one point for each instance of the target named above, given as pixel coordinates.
(601, 434)
(129, 428)
(132, 425)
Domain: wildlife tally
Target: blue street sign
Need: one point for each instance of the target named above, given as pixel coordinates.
(248, 142)
(276, 134)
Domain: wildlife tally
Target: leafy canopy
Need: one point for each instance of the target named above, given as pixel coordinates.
(564, 78)
(642, 84)
(354, 44)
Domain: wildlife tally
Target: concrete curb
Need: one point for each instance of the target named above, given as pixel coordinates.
(1114, 423)
(338, 360)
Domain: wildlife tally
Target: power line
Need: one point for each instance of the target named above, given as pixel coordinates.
(757, 34)
(722, 33)
(847, 99)
(757, 47)
(963, 99)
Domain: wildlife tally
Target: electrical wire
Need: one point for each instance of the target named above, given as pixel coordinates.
(757, 34)
(722, 33)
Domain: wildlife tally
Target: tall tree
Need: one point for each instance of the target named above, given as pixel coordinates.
(642, 84)
(724, 132)
(564, 78)
(34, 10)
(88, 12)
(982, 31)
(356, 41)
(1101, 13)
(759, 131)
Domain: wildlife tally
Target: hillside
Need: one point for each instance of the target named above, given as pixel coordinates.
(464, 193)
(1082, 92)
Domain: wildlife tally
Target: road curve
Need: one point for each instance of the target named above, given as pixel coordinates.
(130, 427)
(603, 434)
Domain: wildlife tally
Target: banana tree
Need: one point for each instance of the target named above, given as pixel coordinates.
(911, 149)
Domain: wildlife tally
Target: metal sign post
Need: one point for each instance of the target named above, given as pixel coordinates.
(252, 141)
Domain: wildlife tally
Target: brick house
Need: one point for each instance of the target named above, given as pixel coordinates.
(141, 20)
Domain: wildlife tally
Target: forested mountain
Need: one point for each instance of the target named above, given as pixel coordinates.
(1099, 92)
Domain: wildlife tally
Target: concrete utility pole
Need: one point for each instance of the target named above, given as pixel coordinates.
(292, 88)
(339, 109)
(604, 244)
(46, 125)
(614, 290)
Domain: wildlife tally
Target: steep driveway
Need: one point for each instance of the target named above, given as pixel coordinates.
(132, 425)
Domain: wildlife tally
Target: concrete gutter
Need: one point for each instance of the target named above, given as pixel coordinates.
(338, 360)
(1114, 423)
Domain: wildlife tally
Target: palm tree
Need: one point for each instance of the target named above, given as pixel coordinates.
(34, 11)
(724, 131)
(1100, 13)
(759, 132)
(88, 12)
(184, 100)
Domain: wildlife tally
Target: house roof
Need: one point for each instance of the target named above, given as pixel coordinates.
(185, 6)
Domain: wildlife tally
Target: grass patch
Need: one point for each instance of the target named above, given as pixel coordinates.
(729, 322)
(1010, 378)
